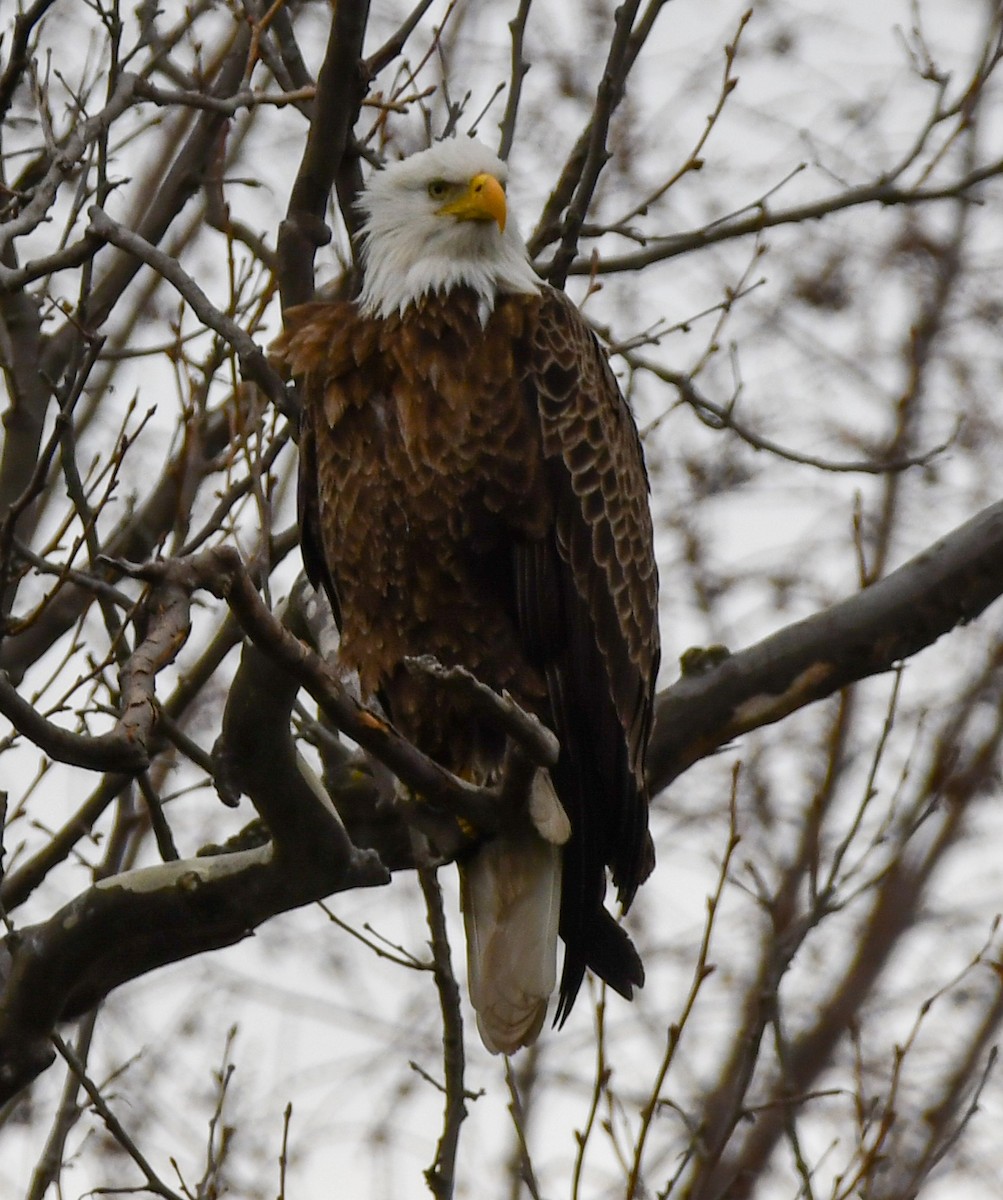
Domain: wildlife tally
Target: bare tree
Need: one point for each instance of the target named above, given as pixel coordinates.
(786, 225)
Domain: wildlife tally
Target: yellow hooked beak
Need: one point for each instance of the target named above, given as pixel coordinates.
(484, 200)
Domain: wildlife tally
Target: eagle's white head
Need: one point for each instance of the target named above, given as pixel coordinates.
(438, 220)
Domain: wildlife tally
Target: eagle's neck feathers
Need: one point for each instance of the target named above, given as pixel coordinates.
(410, 251)
(409, 261)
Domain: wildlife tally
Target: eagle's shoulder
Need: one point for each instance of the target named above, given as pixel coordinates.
(324, 339)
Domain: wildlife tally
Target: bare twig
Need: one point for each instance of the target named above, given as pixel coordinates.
(719, 416)
(661, 249)
(595, 154)
(440, 1175)
(253, 362)
(517, 1111)
(114, 1126)
(380, 59)
(701, 970)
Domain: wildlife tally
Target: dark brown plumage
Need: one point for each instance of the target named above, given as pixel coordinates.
(480, 495)
(472, 488)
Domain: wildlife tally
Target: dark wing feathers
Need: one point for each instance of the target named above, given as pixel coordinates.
(310, 336)
(307, 510)
(587, 599)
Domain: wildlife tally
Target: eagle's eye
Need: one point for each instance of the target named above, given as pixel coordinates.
(438, 189)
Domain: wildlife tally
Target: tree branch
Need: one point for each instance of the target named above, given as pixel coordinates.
(594, 153)
(737, 226)
(341, 85)
(254, 365)
(948, 584)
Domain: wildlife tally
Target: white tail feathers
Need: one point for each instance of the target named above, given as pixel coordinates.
(546, 811)
(511, 893)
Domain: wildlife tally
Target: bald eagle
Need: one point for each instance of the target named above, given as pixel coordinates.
(472, 488)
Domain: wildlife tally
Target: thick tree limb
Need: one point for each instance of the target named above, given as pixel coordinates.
(947, 585)
(341, 86)
(132, 923)
(129, 924)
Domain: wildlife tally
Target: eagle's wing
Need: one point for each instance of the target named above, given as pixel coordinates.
(308, 350)
(586, 600)
(308, 513)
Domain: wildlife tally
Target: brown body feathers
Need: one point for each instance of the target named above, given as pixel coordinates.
(477, 493)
